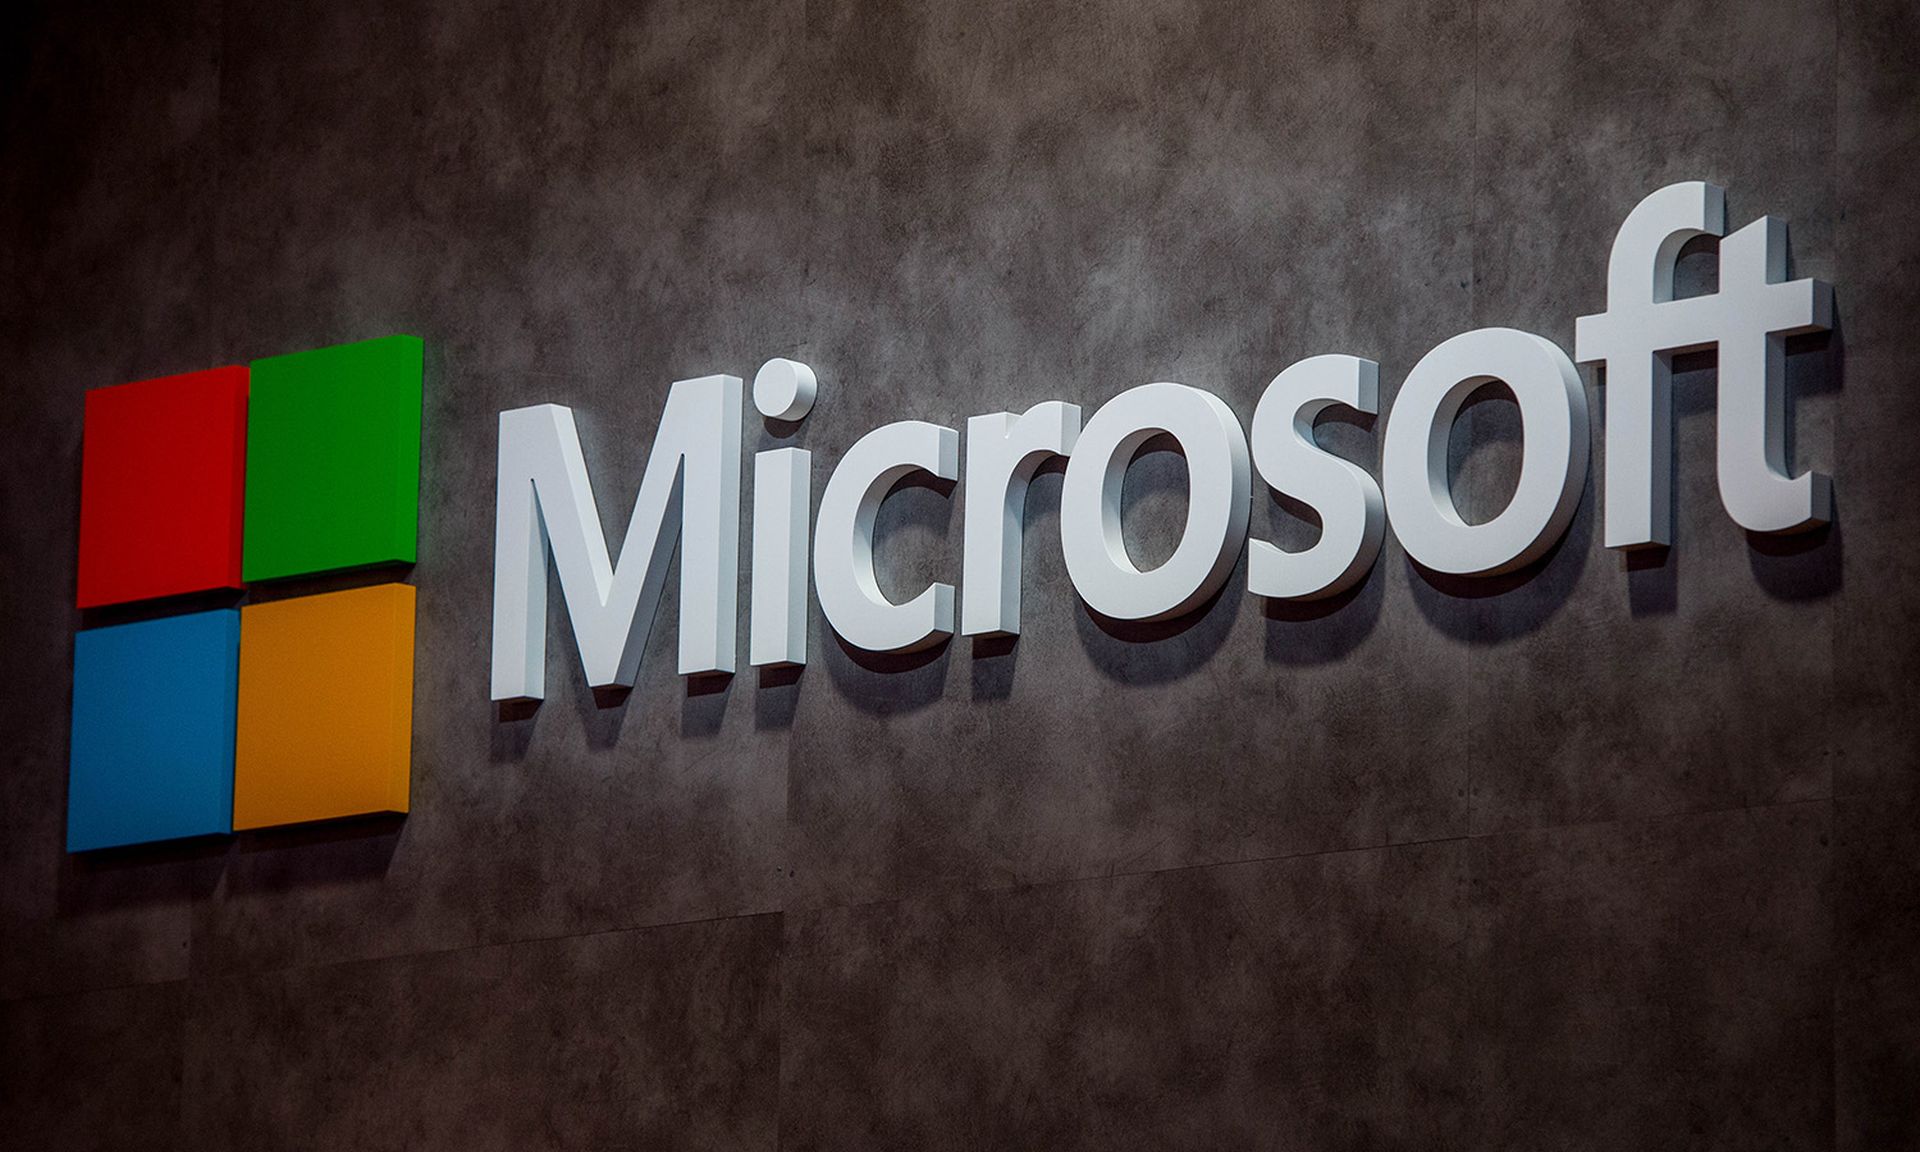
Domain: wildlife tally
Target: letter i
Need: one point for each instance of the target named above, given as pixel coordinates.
(783, 390)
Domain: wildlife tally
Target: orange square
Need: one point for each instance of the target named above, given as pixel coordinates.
(326, 707)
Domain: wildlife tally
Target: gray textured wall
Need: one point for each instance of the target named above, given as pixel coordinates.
(1603, 857)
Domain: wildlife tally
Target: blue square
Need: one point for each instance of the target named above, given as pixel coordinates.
(153, 725)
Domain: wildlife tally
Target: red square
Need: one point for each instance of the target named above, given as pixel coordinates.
(162, 477)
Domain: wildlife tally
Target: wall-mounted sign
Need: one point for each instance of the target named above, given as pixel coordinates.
(289, 709)
(298, 707)
(546, 514)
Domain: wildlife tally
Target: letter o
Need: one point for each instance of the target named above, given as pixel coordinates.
(1219, 484)
(1553, 466)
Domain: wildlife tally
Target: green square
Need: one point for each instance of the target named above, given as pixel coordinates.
(333, 459)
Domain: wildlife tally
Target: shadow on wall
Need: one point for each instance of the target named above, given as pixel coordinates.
(1162, 651)
(776, 697)
(281, 859)
(266, 860)
(704, 704)
(1306, 632)
(993, 663)
(89, 883)
(1806, 566)
(891, 682)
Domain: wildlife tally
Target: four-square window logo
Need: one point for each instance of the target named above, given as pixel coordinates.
(298, 705)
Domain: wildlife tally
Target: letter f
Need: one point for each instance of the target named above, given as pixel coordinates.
(1748, 319)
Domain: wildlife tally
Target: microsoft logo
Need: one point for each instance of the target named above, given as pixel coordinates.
(292, 708)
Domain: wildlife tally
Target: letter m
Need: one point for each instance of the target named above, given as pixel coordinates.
(544, 507)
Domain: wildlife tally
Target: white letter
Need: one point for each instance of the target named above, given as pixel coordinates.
(1758, 312)
(1219, 483)
(1352, 516)
(784, 389)
(544, 504)
(782, 485)
(1644, 326)
(1003, 450)
(1553, 464)
(843, 575)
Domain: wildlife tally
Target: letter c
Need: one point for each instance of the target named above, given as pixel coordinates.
(843, 576)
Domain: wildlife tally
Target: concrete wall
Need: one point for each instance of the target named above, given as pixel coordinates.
(1604, 856)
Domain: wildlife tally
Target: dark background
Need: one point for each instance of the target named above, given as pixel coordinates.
(1608, 856)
